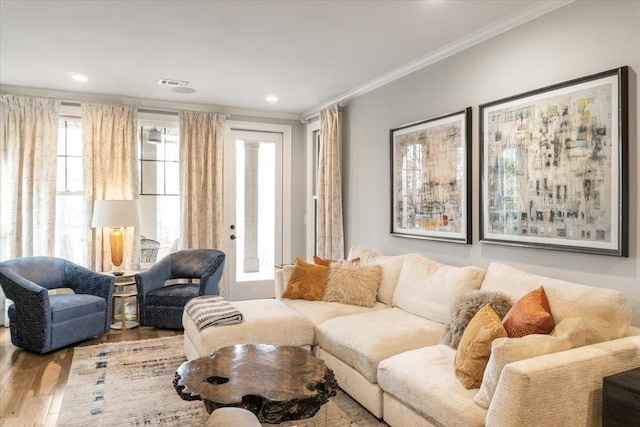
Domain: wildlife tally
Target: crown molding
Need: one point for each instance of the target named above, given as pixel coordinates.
(152, 104)
(538, 9)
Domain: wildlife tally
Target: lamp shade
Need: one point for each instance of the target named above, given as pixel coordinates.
(115, 213)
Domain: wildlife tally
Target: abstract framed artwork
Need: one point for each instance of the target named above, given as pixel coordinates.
(431, 178)
(554, 168)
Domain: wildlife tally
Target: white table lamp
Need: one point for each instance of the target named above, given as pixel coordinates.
(116, 214)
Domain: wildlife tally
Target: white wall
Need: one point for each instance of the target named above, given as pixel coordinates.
(577, 40)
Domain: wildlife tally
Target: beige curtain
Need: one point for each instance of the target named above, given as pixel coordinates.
(29, 148)
(201, 179)
(110, 161)
(330, 235)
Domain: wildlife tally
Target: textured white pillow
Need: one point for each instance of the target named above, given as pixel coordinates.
(429, 289)
(568, 334)
(352, 284)
(606, 313)
(391, 267)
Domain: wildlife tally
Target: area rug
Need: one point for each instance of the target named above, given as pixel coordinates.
(131, 384)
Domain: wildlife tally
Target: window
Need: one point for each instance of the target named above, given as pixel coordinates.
(159, 155)
(69, 241)
(313, 157)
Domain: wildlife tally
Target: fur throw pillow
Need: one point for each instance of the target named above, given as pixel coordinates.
(353, 284)
(466, 307)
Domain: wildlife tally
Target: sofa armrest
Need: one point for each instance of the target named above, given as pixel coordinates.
(279, 283)
(282, 277)
(633, 330)
(563, 388)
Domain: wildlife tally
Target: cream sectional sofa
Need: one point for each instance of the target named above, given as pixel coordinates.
(389, 359)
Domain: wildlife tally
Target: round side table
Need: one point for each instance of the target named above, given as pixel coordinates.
(122, 282)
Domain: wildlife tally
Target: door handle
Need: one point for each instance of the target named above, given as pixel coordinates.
(232, 237)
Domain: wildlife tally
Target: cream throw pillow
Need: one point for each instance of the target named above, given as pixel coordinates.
(568, 334)
(391, 267)
(353, 284)
(428, 288)
(475, 346)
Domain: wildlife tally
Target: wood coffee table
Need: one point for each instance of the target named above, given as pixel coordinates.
(277, 383)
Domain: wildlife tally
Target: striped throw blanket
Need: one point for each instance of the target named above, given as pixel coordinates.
(212, 311)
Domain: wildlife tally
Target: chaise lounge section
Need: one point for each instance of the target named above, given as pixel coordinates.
(389, 357)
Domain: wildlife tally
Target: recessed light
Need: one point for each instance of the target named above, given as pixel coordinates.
(271, 98)
(79, 77)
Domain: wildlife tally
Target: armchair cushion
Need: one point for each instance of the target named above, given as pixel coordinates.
(178, 294)
(72, 306)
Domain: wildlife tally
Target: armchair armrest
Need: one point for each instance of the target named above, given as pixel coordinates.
(563, 388)
(20, 290)
(153, 278)
(85, 281)
(211, 278)
(31, 301)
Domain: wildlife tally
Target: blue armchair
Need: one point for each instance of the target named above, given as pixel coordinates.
(161, 306)
(40, 322)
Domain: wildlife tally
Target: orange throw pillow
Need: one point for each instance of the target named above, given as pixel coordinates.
(320, 261)
(531, 314)
(307, 281)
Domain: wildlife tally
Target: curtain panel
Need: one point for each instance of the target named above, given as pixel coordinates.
(330, 233)
(110, 162)
(201, 179)
(201, 182)
(28, 166)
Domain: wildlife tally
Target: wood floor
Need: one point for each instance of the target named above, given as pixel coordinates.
(32, 386)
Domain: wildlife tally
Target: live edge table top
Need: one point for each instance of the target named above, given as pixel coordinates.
(277, 383)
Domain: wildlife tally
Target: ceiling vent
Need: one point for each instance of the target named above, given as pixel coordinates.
(172, 83)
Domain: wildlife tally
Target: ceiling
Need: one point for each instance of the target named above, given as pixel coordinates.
(235, 53)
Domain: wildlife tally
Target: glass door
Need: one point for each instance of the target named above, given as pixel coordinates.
(255, 212)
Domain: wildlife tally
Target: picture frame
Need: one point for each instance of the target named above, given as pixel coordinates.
(431, 178)
(554, 167)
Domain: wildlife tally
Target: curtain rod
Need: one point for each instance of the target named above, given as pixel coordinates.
(314, 117)
(142, 110)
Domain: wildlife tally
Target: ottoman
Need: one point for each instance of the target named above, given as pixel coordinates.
(265, 321)
(232, 417)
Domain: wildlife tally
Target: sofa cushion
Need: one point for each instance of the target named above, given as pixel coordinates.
(568, 334)
(466, 307)
(531, 314)
(606, 312)
(424, 380)
(391, 267)
(353, 284)
(474, 349)
(307, 281)
(265, 321)
(428, 288)
(363, 340)
(320, 311)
